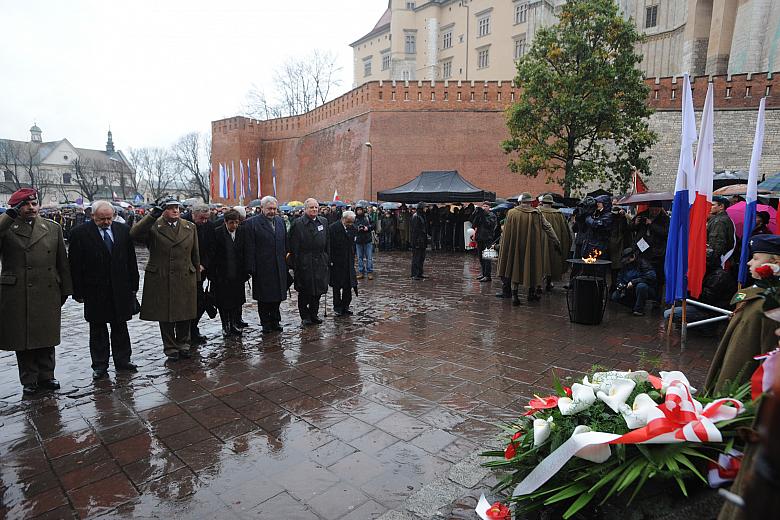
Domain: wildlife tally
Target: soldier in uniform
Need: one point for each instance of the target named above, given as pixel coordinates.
(560, 225)
(750, 331)
(309, 246)
(171, 275)
(34, 284)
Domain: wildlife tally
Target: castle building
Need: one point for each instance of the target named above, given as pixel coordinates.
(483, 39)
(58, 169)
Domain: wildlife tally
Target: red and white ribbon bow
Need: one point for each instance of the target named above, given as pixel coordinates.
(761, 381)
(682, 418)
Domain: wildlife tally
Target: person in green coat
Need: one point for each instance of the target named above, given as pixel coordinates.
(171, 275)
(34, 284)
(560, 225)
(750, 332)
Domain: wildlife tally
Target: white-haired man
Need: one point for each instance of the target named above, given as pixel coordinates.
(309, 247)
(265, 249)
(104, 271)
(342, 262)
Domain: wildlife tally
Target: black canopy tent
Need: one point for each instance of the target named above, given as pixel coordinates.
(436, 186)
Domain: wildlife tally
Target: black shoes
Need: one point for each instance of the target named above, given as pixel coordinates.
(418, 278)
(516, 298)
(316, 320)
(49, 384)
(173, 357)
(185, 354)
(99, 374)
(127, 368)
(29, 389)
(503, 295)
(306, 321)
(197, 337)
(241, 324)
(485, 279)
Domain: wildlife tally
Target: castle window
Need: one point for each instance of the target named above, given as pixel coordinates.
(519, 47)
(8, 176)
(483, 58)
(410, 6)
(410, 43)
(483, 25)
(651, 16)
(446, 69)
(521, 12)
(446, 40)
(66, 178)
(367, 67)
(385, 61)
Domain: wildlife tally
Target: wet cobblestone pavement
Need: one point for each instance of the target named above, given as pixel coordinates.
(378, 415)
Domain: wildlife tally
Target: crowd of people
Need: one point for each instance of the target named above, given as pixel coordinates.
(201, 259)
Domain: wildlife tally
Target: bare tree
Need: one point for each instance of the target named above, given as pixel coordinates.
(134, 158)
(21, 161)
(301, 84)
(190, 154)
(155, 170)
(86, 175)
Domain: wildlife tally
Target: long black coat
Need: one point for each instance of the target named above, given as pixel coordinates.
(342, 256)
(265, 249)
(226, 270)
(106, 281)
(419, 231)
(309, 248)
(206, 244)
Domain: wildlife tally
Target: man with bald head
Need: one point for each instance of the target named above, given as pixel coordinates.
(309, 247)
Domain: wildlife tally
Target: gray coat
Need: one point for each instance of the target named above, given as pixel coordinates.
(34, 282)
(172, 272)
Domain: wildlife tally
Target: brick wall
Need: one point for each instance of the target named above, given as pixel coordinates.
(415, 126)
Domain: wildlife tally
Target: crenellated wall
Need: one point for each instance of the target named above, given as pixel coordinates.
(415, 126)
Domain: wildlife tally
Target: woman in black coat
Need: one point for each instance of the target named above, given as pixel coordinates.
(227, 273)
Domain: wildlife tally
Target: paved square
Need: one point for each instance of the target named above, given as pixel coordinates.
(376, 415)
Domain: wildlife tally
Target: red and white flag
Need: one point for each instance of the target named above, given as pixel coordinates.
(336, 196)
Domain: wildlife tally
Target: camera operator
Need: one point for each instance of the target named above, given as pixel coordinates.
(636, 282)
(652, 225)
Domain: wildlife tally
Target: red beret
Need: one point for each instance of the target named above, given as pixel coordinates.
(23, 194)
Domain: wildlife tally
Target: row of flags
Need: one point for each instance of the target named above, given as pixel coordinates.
(686, 248)
(242, 184)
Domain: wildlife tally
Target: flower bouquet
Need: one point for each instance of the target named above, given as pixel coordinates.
(608, 435)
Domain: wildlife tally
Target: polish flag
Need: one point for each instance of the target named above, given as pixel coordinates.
(700, 211)
(336, 196)
(751, 197)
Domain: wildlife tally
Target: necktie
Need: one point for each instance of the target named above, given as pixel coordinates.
(107, 240)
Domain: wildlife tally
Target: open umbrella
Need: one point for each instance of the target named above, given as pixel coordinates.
(390, 205)
(737, 214)
(735, 189)
(285, 208)
(295, 203)
(647, 196)
(771, 184)
(338, 204)
(254, 204)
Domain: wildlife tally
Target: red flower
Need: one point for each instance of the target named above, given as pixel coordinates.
(541, 403)
(498, 511)
(511, 449)
(567, 389)
(765, 271)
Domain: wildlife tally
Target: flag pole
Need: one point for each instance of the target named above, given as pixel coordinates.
(684, 331)
(671, 319)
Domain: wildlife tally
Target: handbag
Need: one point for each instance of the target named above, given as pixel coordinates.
(211, 302)
(490, 253)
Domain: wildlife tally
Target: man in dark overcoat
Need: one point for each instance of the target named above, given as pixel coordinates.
(485, 222)
(342, 262)
(34, 284)
(171, 275)
(309, 247)
(206, 238)
(419, 239)
(105, 279)
(265, 250)
(228, 274)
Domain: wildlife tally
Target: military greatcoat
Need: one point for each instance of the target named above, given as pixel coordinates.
(560, 225)
(523, 248)
(34, 281)
(172, 273)
(749, 334)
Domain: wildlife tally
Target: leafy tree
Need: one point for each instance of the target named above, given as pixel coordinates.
(582, 107)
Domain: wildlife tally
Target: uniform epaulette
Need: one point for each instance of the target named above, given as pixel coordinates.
(52, 221)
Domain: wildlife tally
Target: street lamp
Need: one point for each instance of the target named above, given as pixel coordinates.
(370, 170)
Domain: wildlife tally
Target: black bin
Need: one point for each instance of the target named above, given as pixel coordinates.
(586, 300)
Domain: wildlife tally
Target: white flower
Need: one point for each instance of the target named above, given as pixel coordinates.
(603, 380)
(541, 430)
(637, 415)
(597, 453)
(616, 394)
(582, 397)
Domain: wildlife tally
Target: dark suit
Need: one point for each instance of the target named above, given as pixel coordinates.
(265, 249)
(419, 243)
(106, 281)
(309, 246)
(342, 265)
(228, 274)
(206, 244)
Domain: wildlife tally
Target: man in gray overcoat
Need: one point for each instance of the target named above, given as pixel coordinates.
(265, 249)
(171, 275)
(34, 284)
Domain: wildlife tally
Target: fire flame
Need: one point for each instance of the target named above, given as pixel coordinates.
(592, 257)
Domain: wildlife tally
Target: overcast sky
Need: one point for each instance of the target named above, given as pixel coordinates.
(156, 69)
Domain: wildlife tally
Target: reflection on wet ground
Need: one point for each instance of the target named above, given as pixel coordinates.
(342, 421)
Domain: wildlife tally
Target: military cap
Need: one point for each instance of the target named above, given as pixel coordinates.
(548, 199)
(169, 201)
(769, 244)
(525, 197)
(22, 195)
